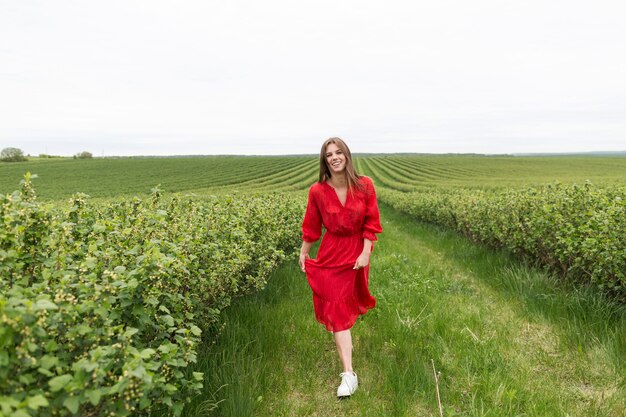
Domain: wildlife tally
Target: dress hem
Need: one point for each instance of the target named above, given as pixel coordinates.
(322, 316)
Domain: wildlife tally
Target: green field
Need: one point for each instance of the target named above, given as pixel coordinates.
(408, 173)
(509, 337)
(59, 178)
(110, 177)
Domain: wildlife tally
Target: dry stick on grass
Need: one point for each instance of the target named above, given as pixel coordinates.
(437, 387)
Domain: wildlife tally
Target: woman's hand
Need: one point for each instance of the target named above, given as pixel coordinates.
(301, 260)
(304, 253)
(362, 261)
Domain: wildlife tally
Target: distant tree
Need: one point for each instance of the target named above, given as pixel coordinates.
(12, 155)
(83, 155)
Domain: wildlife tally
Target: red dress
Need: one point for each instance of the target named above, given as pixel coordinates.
(340, 293)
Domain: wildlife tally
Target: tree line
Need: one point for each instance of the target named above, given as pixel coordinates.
(17, 155)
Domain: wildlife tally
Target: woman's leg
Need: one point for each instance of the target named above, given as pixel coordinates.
(343, 340)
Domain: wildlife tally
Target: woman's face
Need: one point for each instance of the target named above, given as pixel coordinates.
(335, 159)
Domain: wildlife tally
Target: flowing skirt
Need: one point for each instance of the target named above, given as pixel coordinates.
(340, 293)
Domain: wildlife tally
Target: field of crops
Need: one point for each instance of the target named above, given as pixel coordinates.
(60, 178)
(411, 173)
(565, 213)
(105, 300)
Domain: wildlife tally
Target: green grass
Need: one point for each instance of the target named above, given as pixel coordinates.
(507, 340)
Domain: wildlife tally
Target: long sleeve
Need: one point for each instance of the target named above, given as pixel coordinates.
(312, 224)
(371, 225)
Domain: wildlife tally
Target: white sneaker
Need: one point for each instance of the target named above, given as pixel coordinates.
(349, 384)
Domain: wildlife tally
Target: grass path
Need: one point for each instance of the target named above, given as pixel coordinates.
(506, 339)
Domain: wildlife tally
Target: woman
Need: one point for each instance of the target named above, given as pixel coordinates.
(345, 204)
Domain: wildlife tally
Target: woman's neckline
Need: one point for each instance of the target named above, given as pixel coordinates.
(334, 190)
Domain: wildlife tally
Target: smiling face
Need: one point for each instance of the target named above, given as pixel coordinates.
(335, 159)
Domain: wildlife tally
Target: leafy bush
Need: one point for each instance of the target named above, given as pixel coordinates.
(577, 230)
(12, 155)
(83, 155)
(102, 306)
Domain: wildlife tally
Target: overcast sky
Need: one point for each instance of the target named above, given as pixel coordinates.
(278, 77)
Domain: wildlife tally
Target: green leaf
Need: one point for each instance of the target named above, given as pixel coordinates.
(165, 348)
(117, 388)
(72, 403)
(83, 329)
(169, 320)
(139, 372)
(20, 413)
(146, 353)
(145, 402)
(91, 262)
(59, 382)
(178, 409)
(195, 330)
(34, 403)
(94, 396)
(7, 404)
(44, 304)
(44, 371)
(130, 331)
(26, 378)
(199, 376)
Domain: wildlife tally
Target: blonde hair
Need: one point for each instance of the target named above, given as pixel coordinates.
(352, 177)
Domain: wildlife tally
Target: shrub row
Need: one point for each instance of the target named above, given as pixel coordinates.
(577, 230)
(102, 306)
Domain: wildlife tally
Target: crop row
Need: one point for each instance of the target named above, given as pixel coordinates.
(414, 172)
(577, 230)
(297, 177)
(59, 179)
(102, 306)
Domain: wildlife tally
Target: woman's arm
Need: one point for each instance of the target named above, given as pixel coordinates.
(304, 253)
(311, 228)
(371, 224)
